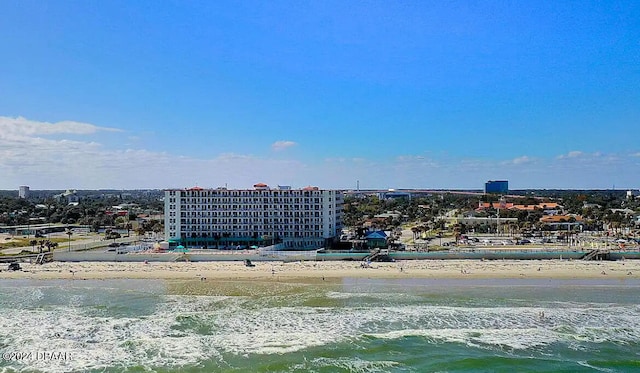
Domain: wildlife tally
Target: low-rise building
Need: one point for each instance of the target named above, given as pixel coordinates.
(512, 206)
(394, 194)
(69, 196)
(562, 221)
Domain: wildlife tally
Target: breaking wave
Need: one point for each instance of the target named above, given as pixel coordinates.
(182, 330)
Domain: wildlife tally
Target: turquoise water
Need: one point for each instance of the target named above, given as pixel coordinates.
(357, 325)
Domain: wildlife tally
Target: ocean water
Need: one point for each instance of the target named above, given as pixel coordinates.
(356, 325)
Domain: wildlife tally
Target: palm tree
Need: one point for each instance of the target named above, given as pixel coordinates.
(40, 245)
(157, 228)
(414, 230)
(140, 230)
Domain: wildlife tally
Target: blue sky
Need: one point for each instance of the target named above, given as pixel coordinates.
(447, 94)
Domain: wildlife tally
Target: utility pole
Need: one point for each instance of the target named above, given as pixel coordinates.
(69, 233)
(501, 204)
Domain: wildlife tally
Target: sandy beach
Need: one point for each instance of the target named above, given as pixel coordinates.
(330, 270)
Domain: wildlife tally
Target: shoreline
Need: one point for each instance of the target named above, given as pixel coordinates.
(309, 271)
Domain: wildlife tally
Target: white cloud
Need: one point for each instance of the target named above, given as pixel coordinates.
(336, 159)
(29, 157)
(409, 158)
(521, 160)
(419, 161)
(571, 154)
(17, 127)
(230, 157)
(589, 160)
(282, 144)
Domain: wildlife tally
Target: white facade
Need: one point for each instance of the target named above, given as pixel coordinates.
(23, 191)
(216, 218)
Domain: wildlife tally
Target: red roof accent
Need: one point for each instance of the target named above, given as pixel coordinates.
(496, 205)
(559, 218)
(310, 188)
(260, 185)
(195, 188)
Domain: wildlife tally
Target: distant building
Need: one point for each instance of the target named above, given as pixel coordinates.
(546, 206)
(625, 212)
(394, 194)
(591, 205)
(496, 187)
(562, 221)
(70, 196)
(376, 239)
(23, 192)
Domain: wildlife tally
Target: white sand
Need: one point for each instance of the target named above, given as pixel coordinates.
(555, 269)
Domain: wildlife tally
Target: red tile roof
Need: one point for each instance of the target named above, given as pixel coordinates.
(559, 218)
(495, 205)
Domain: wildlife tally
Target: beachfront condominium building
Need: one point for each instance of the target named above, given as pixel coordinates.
(306, 218)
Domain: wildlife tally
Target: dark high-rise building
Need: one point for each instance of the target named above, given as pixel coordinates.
(496, 187)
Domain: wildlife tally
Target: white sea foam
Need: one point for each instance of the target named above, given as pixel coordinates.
(600, 369)
(185, 330)
(355, 365)
(509, 338)
(97, 342)
(518, 328)
(397, 296)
